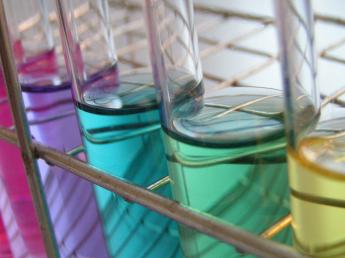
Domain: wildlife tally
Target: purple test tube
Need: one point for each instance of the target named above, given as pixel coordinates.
(47, 98)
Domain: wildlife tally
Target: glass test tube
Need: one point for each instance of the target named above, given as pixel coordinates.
(16, 207)
(120, 126)
(47, 95)
(316, 156)
(224, 143)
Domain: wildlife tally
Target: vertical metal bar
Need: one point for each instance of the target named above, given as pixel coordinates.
(24, 137)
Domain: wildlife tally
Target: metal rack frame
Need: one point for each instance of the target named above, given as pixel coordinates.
(32, 150)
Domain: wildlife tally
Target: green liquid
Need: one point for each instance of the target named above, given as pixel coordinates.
(229, 162)
(248, 195)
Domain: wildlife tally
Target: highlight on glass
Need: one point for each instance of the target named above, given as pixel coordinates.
(119, 122)
(315, 136)
(225, 143)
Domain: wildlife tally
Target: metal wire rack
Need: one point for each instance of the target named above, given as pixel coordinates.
(222, 32)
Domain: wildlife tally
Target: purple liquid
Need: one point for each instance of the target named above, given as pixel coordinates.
(71, 200)
(16, 204)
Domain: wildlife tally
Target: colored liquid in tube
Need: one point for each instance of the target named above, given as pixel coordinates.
(16, 205)
(227, 159)
(121, 133)
(71, 200)
(317, 191)
(5, 250)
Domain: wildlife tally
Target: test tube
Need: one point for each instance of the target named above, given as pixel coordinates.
(16, 205)
(47, 97)
(315, 136)
(120, 126)
(39, 67)
(224, 142)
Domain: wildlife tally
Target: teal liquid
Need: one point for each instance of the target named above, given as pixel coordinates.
(227, 160)
(126, 143)
(250, 195)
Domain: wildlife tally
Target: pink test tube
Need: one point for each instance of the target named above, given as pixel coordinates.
(16, 205)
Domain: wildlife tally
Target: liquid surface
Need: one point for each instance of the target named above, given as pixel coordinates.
(318, 196)
(107, 94)
(233, 117)
(228, 160)
(44, 72)
(127, 144)
(48, 101)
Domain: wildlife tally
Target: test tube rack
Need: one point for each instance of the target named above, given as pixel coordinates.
(132, 53)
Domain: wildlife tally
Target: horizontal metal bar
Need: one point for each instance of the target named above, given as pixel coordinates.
(333, 58)
(204, 223)
(234, 46)
(330, 19)
(232, 13)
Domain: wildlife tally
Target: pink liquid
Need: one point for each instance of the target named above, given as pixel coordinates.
(5, 251)
(16, 204)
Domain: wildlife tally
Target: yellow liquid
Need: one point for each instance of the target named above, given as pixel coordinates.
(317, 181)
